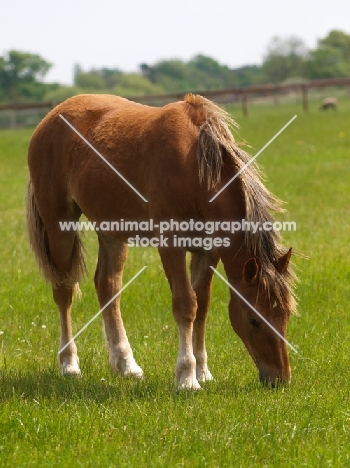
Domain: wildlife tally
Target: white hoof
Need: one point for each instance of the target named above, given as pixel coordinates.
(127, 367)
(135, 372)
(185, 373)
(71, 369)
(203, 375)
(189, 384)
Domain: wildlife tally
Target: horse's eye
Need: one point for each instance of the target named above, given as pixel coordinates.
(254, 322)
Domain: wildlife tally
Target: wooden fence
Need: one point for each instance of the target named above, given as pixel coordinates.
(244, 94)
(14, 113)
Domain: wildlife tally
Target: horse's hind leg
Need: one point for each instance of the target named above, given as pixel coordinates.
(201, 278)
(68, 357)
(67, 257)
(60, 258)
(108, 281)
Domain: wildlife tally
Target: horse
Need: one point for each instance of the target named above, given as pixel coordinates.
(177, 158)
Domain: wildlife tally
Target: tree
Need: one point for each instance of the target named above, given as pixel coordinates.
(213, 74)
(20, 75)
(173, 75)
(337, 40)
(199, 74)
(148, 72)
(111, 76)
(324, 62)
(96, 79)
(61, 93)
(285, 58)
(134, 84)
(207, 65)
(89, 80)
(331, 58)
(249, 75)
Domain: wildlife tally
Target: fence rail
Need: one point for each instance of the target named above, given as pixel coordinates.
(13, 115)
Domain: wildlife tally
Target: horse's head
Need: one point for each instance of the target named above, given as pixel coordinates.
(267, 349)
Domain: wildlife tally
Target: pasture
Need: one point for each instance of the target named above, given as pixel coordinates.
(102, 420)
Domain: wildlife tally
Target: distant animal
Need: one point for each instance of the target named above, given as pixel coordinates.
(178, 157)
(329, 103)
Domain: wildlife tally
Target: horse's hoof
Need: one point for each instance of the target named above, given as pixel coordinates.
(126, 367)
(189, 385)
(204, 375)
(135, 373)
(70, 370)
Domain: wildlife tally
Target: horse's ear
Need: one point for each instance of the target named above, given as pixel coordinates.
(282, 263)
(251, 271)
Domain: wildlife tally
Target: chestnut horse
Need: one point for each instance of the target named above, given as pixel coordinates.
(178, 157)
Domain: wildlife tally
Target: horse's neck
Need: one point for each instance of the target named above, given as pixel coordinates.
(234, 257)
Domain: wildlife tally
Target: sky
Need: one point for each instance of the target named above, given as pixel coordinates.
(124, 34)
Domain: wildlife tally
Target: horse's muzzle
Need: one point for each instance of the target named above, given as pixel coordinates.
(275, 379)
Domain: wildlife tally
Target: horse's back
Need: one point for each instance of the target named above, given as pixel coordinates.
(153, 148)
(110, 120)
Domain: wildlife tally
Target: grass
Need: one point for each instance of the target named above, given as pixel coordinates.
(101, 420)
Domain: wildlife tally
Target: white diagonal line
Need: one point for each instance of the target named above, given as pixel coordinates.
(103, 158)
(254, 309)
(251, 160)
(101, 310)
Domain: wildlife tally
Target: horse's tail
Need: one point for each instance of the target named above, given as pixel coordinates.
(39, 242)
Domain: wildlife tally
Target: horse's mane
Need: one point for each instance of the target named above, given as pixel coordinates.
(215, 143)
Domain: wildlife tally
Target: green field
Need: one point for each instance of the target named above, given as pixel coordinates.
(101, 420)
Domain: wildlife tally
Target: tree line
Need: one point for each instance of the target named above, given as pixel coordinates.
(286, 60)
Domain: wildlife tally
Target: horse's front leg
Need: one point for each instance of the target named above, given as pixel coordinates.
(108, 281)
(184, 310)
(201, 278)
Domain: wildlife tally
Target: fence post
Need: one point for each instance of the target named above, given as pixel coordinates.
(304, 90)
(245, 104)
(13, 118)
